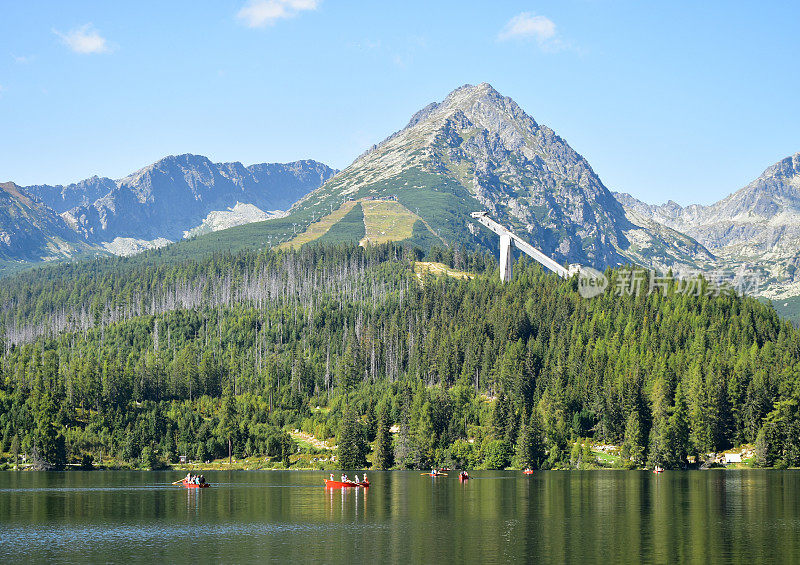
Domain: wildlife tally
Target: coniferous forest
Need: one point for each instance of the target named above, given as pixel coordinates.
(138, 362)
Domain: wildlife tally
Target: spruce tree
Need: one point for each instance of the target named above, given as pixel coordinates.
(352, 448)
(679, 429)
(6, 442)
(229, 423)
(529, 451)
(632, 446)
(384, 458)
(15, 449)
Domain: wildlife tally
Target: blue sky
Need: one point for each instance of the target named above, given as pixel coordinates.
(683, 100)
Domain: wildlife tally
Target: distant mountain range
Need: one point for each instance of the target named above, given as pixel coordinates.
(176, 196)
(30, 231)
(756, 227)
(474, 150)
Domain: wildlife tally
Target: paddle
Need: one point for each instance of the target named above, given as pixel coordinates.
(176, 482)
(436, 475)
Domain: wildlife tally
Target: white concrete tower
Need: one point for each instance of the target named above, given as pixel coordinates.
(506, 260)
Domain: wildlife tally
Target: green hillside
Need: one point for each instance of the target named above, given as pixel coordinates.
(141, 362)
(349, 229)
(789, 308)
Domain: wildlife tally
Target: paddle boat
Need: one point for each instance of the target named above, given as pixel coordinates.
(463, 476)
(346, 483)
(341, 484)
(193, 481)
(528, 471)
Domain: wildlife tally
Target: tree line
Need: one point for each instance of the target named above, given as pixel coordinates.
(145, 362)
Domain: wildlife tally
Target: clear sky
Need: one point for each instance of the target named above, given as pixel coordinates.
(684, 100)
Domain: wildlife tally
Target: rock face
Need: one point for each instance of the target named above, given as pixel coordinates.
(761, 218)
(63, 198)
(178, 192)
(237, 215)
(127, 246)
(149, 208)
(31, 231)
(758, 225)
(522, 172)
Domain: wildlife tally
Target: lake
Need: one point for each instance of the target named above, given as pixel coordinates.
(497, 517)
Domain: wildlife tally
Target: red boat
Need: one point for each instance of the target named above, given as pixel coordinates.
(194, 485)
(528, 472)
(463, 476)
(341, 484)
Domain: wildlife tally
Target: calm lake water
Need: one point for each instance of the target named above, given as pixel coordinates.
(497, 517)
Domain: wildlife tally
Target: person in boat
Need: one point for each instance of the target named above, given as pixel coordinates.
(188, 478)
(355, 480)
(344, 478)
(331, 479)
(464, 475)
(364, 478)
(202, 479)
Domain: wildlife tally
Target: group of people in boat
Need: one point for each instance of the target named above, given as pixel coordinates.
(194, 479)
(354, 481)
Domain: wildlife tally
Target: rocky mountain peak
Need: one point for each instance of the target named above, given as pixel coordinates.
(522, 172)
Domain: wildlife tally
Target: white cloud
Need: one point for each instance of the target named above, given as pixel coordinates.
(526, 25)
(84, 40)
(22, 59)
(263, 13)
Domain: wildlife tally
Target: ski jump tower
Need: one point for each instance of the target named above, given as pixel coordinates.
(509, 239)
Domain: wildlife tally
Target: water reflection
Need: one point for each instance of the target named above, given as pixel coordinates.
(717, 516)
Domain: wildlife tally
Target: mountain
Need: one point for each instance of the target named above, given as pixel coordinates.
(63, 198)
(177, 193)
(757, 226)
(479, 150)
(178, 196)
(30, 231)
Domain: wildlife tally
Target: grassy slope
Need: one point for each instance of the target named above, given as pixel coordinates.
(387, 220)
(320, 227)
(349, 229)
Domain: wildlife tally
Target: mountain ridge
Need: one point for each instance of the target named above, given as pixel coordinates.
(484, 149)
(757, 226)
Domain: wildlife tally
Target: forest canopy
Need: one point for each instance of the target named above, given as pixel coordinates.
(143, 362)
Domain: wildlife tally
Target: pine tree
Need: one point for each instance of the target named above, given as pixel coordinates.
(384, 458)
(6, 442)
(352, 448)
(15, 449)
(49, 448)
(530, 450)
(501, 416)
(423, 439)
(679, 429)
(229, 423)
(402, 444)
(632, 446)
